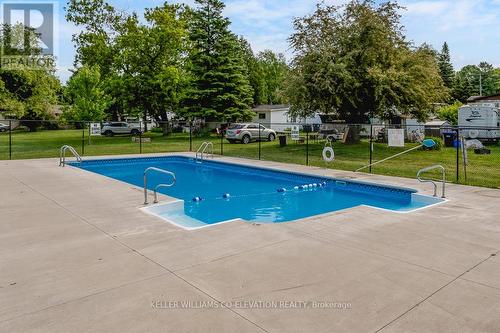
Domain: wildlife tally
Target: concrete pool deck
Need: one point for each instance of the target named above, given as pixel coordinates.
(77, 255)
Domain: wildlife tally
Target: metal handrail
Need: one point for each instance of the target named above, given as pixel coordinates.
(203, 149)
(200, 148)
(62, 155)
(211, 145)
(443, 180)
(174, 180)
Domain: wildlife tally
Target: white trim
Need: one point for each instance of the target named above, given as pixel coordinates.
(147, 210)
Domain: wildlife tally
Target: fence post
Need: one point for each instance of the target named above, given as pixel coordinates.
(10, 139)
(221, 142)
(140, 137)
(83, 139)
(371, 147)
(307, 146)
(260, 140)
(458, 155)
(190, 136)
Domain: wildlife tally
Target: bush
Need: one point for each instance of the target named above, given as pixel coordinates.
(157, 130)
(438, 141)
(450, 113)
(51, 125)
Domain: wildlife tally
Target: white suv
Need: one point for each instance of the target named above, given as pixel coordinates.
(110, 129)
(245, 133)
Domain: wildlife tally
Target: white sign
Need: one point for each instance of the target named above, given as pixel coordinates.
(396, 137)
(295, 133)
(95, 129)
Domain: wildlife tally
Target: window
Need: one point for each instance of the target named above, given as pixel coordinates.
(262, 116)
(252, 126)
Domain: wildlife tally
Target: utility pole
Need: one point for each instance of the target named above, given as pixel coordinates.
(480, 84)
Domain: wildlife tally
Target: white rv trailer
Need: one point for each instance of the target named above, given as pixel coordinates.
(479, 121)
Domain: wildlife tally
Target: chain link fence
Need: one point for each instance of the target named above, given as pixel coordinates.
(354, 145)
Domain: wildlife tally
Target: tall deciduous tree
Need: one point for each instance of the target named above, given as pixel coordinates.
(274, 69)
(354, 61)
(266, 74)
(95, 42)
(151, 58)
(220, 87)
(255, 73)
(445, 66)
(143, 62)
(25, 93)
(86, 95)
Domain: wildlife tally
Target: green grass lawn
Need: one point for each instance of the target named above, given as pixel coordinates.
(483, 170)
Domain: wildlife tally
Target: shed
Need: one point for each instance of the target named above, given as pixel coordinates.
(436, 128)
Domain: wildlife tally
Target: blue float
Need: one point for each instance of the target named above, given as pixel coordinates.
(281, 190)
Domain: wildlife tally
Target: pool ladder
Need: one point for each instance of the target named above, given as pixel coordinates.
(443, 179)
(62, 155)
(174, 180)
(202, 150)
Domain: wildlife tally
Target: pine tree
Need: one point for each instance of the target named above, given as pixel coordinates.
(220, 89)
(445, 66)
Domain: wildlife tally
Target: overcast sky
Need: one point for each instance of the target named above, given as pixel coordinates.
(471, 27)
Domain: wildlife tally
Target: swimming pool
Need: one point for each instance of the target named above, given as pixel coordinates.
(230, 191)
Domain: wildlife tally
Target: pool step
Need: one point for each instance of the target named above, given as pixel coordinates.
(173, 212)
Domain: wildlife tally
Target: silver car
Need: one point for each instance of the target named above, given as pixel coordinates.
(110, 129)
(3, 127)
(248, 132)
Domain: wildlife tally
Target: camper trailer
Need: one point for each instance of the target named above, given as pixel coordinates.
(479, 121)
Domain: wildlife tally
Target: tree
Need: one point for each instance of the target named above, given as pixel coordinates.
(474, 80)
(445, 66)
(142, 61)
(95, 43)
(450, 112)
(354, 61)
(255, 73)
(25, 93)
(220, 87)
(274, 70)
(86, 95)
(266, 74)
(466, 83)
(152, 59)
(492, 82)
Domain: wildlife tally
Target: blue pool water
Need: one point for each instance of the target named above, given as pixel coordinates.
(253, 191)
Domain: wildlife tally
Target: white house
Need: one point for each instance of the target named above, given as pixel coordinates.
(277, 117)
